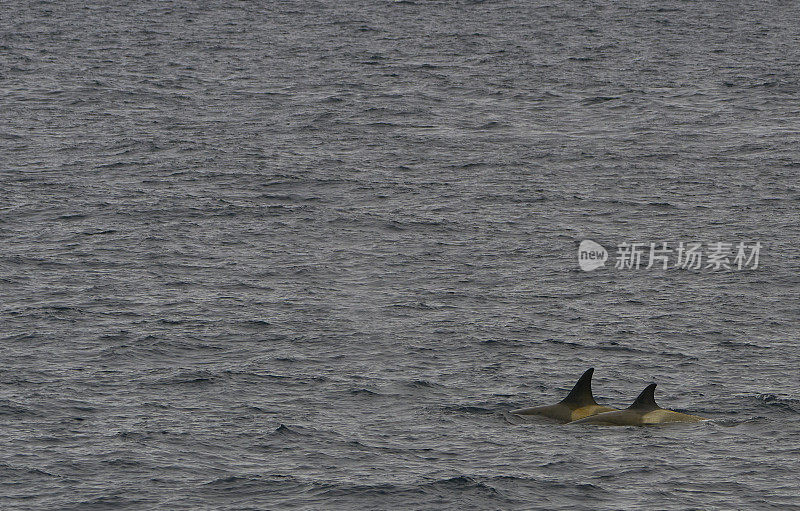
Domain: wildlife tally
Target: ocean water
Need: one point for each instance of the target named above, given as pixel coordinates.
(308, 255)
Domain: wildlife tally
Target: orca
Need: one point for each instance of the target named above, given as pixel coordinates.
(643, 412)
(578, 404)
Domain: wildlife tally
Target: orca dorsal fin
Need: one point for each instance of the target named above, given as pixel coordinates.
(581, 393)
(646, 400)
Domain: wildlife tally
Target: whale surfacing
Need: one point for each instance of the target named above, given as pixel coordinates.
(578, 404)
(644, 411)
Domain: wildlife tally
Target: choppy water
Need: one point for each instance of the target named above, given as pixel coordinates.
(307, 255)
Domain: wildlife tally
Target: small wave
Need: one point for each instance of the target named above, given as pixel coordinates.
(107, 502)
(72, 216)
(255, 323)
(363, 392)
(130, 435)
(393, 226)
(495, 341)
(598, 99)
(490, 125)
(662, 205)
(351, 491)
(189, 378)
(469, 409)
(27, 470)
(417, 384)
(284, 430)
(13, 409)
(412, 305)
(99, 232)
(782, 403)
(462, 483)
(123, 462)
(732, 423)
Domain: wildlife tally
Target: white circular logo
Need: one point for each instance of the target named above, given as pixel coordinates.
(591, 255)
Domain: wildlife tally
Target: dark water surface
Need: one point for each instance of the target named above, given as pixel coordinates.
(307, 255)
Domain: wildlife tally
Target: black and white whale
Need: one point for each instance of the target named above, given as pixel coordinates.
(578, 404)
(644, 411)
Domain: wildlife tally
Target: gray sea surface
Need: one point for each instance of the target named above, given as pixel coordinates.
(309, 254)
